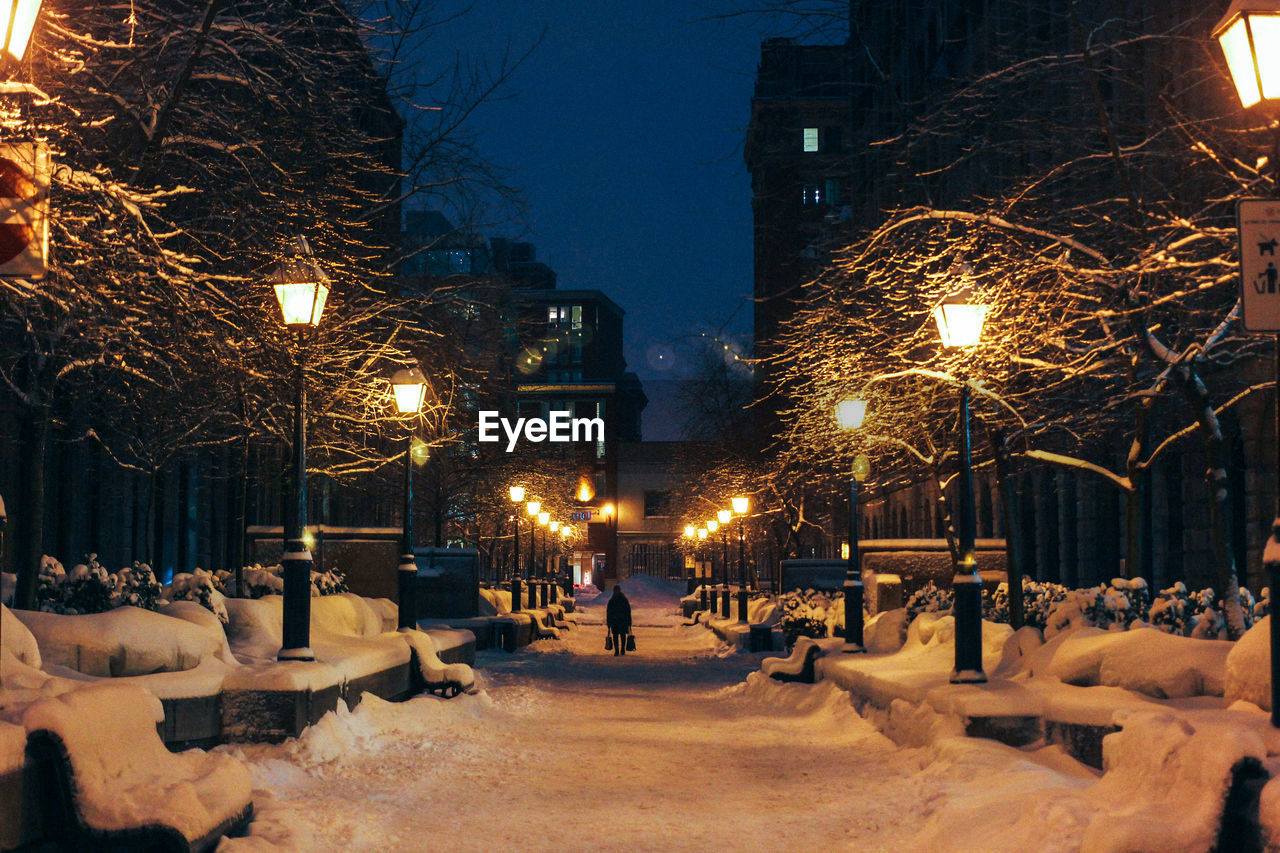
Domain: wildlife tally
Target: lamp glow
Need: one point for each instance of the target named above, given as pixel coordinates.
(555, 526)
(301, 286)
(20, 18)
(607, 510)
(713, 525)
(533, 507)
(724, 516)
(544, 518)
(702, 533)
(741, 505)
(1249, 35)
(960, 322)
(690, 531)
(410, 388)
(517, 494)
(851, 413)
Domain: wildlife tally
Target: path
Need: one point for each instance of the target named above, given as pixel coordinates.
(575, 749)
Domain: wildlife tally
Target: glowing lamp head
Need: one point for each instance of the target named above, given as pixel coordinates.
(851, 413)
(410, 388)
(517, 494)
(702, 533)
(724, 516)
(1249, 34)
(741, 505)
(544, 518)
(301, 286)
(608, 511)
(19, 17)
(690, 531)
(713, 525)
(533, 507)
(566, 532)
(960, 320)
(555, 526)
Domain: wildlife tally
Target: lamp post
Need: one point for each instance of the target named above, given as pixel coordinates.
(610, 513)
(532, 508)
(301, 288)
(960, 325)
(517, 498)
(740, 506)
(849, 415)
(554, 575)
(1249, 34)
(410, 388)
(566, 533)
(544, 520)
(712, 526)
(711, 571)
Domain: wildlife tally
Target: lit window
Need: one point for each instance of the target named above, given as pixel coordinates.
(810, 139)
(812, 196)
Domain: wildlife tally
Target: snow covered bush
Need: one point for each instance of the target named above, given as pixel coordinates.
(1192, 614)
(331, 582)
(928, 599)
(1112, 607)
(87, 588)
(808, 614)
(1261, 607)
(136, 587)
(202, 588)
(259, 580)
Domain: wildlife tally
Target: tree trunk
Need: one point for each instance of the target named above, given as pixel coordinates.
(1009, 521)
(35, 438)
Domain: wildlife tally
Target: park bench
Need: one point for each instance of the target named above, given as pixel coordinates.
(800, 666)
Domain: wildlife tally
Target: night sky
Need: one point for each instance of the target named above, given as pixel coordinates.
(624, 129)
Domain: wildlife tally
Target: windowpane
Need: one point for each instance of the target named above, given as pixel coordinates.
(810, 139)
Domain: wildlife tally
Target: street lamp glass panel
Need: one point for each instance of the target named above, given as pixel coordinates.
(702, 533)
(1235, 46)
(410, 387)
(544, 518)
(517, 494)
(21, 17)
(724, 515)
(850, 413)
(690, 531)
(740, 505)
(713, 525)
(566, 532)
(555, 526)
(533, 507)
(1266, 41)
(302, 302)
(959, 323)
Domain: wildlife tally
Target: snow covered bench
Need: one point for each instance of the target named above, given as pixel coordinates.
(434, 676)
(113, 785)
(800, 666)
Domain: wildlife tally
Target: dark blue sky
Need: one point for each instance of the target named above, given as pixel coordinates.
(624, 129)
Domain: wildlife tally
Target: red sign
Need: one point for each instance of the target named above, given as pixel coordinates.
(24, 210)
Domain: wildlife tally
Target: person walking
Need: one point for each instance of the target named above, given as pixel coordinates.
(618, 617)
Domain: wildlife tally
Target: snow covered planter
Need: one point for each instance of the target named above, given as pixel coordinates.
(1249, 666)
(118, 786)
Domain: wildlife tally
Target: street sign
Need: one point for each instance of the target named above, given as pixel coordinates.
(1258, 221)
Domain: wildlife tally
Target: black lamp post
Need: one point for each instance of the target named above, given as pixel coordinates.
(544, 521)
(1250, 41)
(849, 415)
(517, 498)
(301, 288)
(740, 506)
(960, 325)
(410, 387)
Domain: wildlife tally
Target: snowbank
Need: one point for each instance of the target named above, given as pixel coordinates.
(1249, 666)
(18, 640)
(198, 615)
(121, 642)
(1144, 660)
(125, 776)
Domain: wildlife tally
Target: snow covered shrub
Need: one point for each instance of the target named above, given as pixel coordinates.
(1261, 607)
(49, 581)
(1112, 607)
(331, 582)
(260, 580)
(87, 588)
(198, 586)
(806, 614)
(136, 587)
(1192, 614)
(929, 599)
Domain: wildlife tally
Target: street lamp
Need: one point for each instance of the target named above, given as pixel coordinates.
(960, 324)
(301, 288)
(610, 513)
(410, 388)
(566, 533)
(740, 506)
(544, 520)
(517, 498)
(20, 21)
(849, 415)
(1249, 34)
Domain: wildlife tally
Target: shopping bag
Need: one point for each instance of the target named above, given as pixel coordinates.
(631, 642)
(608, 642)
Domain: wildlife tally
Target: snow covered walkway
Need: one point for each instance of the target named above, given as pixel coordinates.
(573, 749)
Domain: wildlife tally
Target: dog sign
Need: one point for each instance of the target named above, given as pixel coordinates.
(1258, 220)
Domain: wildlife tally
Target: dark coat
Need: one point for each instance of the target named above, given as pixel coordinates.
(618, 614)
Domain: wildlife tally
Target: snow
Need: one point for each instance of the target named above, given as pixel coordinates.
(121, 642)
(1249, 666)
(17, 639)
(143, 783)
